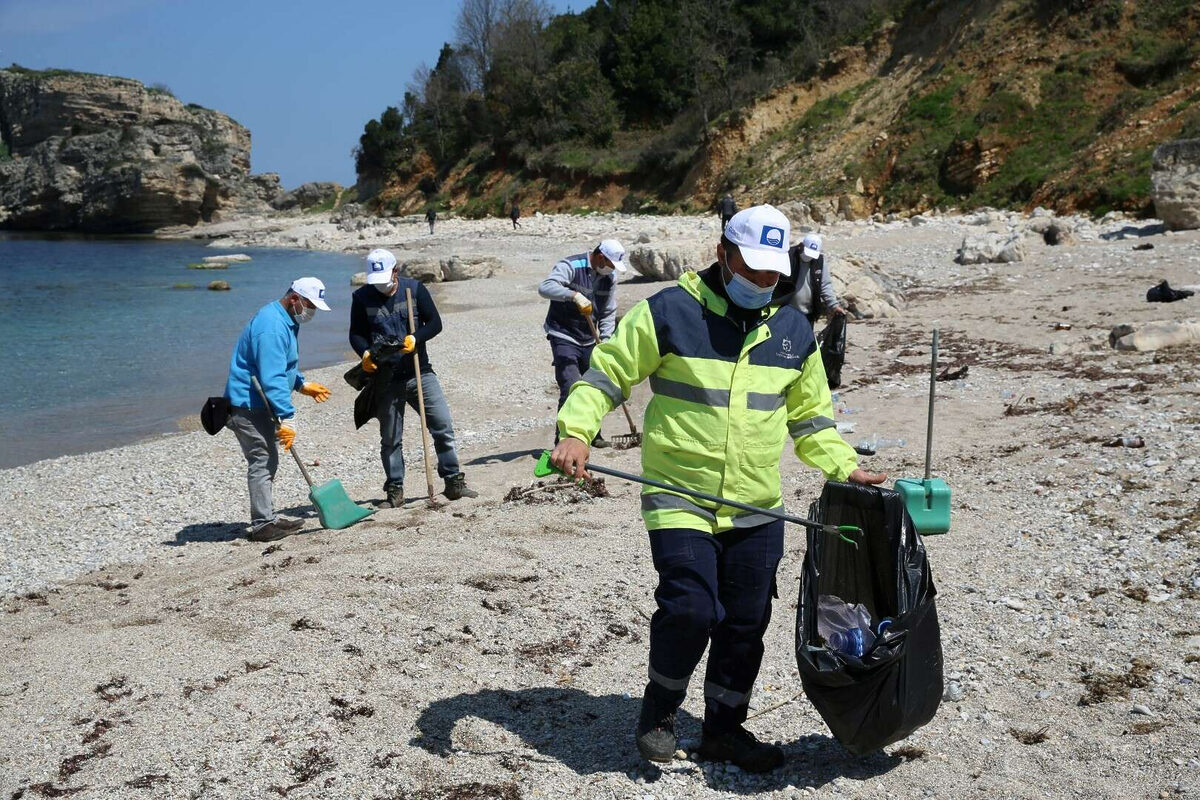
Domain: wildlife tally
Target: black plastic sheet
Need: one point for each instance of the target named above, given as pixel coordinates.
(897, 686)
(833, 349)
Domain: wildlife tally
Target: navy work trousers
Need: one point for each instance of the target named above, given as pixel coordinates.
(712, 589)
(570, 362)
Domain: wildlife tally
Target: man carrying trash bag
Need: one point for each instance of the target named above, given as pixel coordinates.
(735, 371)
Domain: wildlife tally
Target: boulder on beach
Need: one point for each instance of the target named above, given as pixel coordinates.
(668, 262)
(452, 268)
(219, 286)
(1175, 184)
(1145, 336)
(230, 258)
(1059, 232)
(358, 279)
(865, 289)
(991, 248)
(208, 265)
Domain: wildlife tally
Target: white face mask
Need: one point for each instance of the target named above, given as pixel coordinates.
(385, 289)
(604, 270)
(304, 315)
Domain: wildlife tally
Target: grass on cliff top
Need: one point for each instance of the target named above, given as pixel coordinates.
(52, 73)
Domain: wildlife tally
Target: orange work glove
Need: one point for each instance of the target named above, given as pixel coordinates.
(410, 344)
(315, 390)
(286, 434)
(368, 365)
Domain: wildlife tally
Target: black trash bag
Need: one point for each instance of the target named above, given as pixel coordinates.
(1163, 293)
(895, 687)
(214, 414)
(833, 349)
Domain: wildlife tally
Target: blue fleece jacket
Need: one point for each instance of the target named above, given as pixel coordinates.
(268, 349)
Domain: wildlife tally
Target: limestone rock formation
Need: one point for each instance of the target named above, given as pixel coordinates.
(1175, 178)
(865, 289)
(101, 154)
(990, 248)
(454, 268)
(668, 262)
(1155, 335)
(307, 195)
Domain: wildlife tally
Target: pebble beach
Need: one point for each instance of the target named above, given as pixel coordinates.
(496, 648)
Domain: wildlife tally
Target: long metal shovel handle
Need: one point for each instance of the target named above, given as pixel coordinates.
(544, 468)
(932, 385)
(307, 479)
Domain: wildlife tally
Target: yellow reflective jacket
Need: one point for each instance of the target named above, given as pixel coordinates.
(724, 403)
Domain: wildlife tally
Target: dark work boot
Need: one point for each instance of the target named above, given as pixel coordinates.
(395, 497)
(656, 729)
(456, 487)
(600, 442)
(289, 524)
(269, 533)
(739, 747)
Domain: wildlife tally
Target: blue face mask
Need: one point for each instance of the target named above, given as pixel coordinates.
(745, 293)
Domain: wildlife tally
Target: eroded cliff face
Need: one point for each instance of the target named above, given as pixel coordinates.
(100, 154)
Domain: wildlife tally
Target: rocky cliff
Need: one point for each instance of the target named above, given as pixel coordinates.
(109, 155)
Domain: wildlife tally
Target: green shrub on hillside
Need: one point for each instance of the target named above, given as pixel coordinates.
(1151, 59)
(5, 153)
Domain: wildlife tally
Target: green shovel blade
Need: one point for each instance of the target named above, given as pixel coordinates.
(334, 506)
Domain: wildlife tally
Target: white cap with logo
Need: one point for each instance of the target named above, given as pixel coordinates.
(811, 246)
(380, 264)
(762, 235)
(614, 251)
(312, 290)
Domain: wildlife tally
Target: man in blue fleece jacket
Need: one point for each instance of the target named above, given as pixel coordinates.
(268, 349)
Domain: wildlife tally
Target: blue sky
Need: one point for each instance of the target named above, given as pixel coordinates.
(303, 76)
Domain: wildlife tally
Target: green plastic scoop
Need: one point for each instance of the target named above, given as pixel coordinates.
(544, 468)
(928, 500)
(334, 507)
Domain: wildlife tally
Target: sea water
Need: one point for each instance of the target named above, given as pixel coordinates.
(98, 349)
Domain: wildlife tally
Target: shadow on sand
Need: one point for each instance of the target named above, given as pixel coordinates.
(590, 735)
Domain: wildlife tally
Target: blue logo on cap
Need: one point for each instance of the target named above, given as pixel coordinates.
(771, 237)
(376, 266)
(321, 294)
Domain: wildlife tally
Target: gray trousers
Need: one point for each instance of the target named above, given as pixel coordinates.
(256, 434)
(392, 401)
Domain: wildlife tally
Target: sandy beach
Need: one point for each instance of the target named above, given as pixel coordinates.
(494, 649)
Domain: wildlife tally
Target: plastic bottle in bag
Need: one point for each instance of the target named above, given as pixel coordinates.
(844, 627)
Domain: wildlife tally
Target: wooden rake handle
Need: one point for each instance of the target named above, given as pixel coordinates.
(416, 354)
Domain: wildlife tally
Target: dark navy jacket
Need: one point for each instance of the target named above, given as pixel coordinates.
(375, 318)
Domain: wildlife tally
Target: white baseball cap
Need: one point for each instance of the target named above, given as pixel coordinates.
(312, 290)
(762, 235)
(614, 251)
(811, 245)
(380, 264)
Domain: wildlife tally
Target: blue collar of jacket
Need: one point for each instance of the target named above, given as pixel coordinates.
(286, 317)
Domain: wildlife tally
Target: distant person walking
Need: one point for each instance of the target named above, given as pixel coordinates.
(268, 350)
(726, 208)
(515, 214)
(431, 217)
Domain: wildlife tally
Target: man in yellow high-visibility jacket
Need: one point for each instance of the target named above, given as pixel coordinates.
(735, 370)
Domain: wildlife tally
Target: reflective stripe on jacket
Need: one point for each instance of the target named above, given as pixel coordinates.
(724, 404)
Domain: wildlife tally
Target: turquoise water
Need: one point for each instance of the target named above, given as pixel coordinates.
(97, 349)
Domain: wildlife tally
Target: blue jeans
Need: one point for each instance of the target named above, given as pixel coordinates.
(398, 394)
(570, 362)
(712, 589)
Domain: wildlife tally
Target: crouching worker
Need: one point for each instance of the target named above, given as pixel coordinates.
(378, 314)
(268, 350)
(734, 372)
